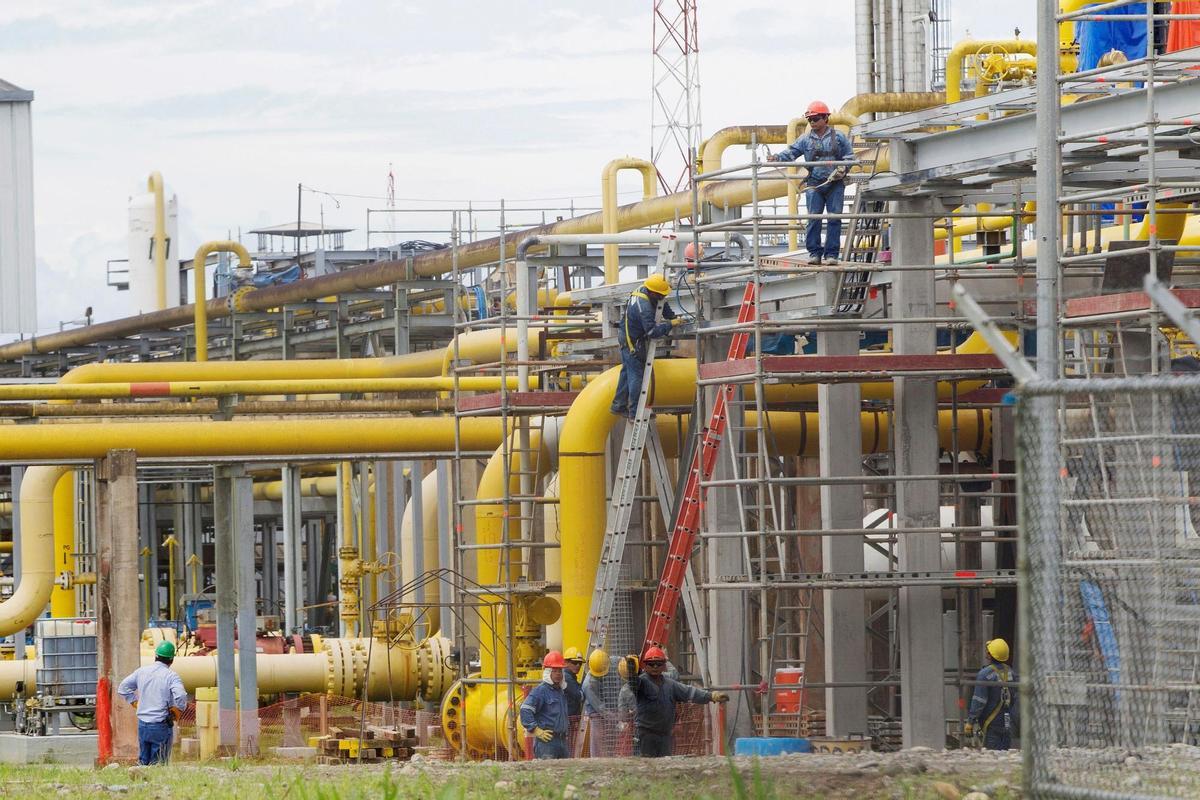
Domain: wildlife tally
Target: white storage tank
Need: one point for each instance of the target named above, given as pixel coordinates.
(18, 264)
(143, 276)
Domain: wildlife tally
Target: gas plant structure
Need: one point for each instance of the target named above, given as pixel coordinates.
(395, 469)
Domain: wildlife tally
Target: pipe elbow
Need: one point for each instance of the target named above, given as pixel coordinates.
(37, 549)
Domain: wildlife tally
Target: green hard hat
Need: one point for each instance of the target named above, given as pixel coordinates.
(165, 650)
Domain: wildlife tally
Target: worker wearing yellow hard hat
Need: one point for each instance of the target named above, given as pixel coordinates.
(637, 328)
(600, 717)
(993, 715)
(574, 662)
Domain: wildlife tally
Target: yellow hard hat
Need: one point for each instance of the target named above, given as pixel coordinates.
(573, 654)
(998, 649)
(657, 283)
(598, 663)
(622, 669)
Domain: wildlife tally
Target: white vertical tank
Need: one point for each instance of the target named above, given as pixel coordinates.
(143, 282)
(18, 264)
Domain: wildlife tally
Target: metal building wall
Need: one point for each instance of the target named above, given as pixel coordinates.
(18, 301)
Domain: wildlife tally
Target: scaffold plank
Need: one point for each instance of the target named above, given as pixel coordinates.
(1122, 302)
(831, 369)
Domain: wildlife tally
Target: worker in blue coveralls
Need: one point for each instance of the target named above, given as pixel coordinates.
(544, 712)
(656, 696)
(156, 692)
(994, 712)
(634, 334)
(826, 185)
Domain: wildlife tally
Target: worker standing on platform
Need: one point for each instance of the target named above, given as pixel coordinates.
(157, 694)
(634, 334)
(544, 712)
(574, 662)
(994, 712)
(826, 185)
(656, 696)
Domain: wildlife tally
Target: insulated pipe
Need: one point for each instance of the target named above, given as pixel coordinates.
(155, 184)
(864, 46)
(608, 192)
(201, 308)
(429, 537)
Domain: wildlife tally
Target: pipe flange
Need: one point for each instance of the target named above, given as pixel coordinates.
(237, 299)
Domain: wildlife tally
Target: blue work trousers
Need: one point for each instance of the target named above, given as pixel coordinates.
(826, 199)
(997, 738)
(154, 742)
(555, 748)
(629, 384)
(652, 745)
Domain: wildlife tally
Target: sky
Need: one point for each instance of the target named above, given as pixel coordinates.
(238, 102)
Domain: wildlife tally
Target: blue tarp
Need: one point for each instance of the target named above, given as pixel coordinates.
(289, 275)
(1097, 38)
(1097, 611)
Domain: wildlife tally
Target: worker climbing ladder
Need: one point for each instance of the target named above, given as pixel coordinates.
(686, 521)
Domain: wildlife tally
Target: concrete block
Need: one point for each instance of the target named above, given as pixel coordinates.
(77, 749)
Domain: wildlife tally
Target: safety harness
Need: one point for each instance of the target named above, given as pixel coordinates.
(633, 298)
(1005, 675)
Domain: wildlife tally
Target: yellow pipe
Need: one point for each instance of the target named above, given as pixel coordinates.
(220, 439)
(409, 570)
(201, 307)
(32, 593)
(967, 47)
(608, 192)
(582, 469)
(62, 601)
(222, 388)
(155, 184)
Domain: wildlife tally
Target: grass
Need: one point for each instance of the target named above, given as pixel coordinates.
(771, 779)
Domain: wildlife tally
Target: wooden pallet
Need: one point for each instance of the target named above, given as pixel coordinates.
(371, 745)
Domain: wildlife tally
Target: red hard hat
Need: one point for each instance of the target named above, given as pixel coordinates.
(689, 254)
(814, 108)
(553, 660)
(654, 654)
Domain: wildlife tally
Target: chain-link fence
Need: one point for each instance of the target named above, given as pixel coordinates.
(1111, 600)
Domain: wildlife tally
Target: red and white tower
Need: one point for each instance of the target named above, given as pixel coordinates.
(674, 93)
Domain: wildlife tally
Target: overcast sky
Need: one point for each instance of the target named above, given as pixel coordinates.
(237, 102)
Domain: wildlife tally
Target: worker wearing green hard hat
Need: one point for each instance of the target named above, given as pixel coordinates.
(158, 696)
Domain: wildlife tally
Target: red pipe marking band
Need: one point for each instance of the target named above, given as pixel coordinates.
(151, 389)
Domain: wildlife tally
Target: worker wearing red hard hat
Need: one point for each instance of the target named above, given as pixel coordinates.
(656, 695)
(544, 712)
(826, 183)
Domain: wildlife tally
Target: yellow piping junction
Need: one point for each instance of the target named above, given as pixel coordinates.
(608, 192)
(199, 282)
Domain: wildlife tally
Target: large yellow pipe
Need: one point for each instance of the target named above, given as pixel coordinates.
(155, 184)
(582, 476)
(430, 561)
(201, 308)
(118, 390)
(608, 193)
(29, 599)
(62, 601)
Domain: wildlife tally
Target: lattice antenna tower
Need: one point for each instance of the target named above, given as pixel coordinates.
(674, 93)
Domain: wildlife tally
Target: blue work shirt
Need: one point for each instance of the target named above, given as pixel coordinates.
(638, 323)
(545, 708)
(656, 699)
(990, 703)
(574, 694)
(829, 146)
(156, 687)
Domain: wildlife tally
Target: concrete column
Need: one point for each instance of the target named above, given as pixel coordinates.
(842, 507)
(731, 641)
(117, 589)
(292, 526)
(234, 520)
(916, 442)
(226, 591)
(242, 497)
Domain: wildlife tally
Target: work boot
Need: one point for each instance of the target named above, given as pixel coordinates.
(831, 261)
(814, 260)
